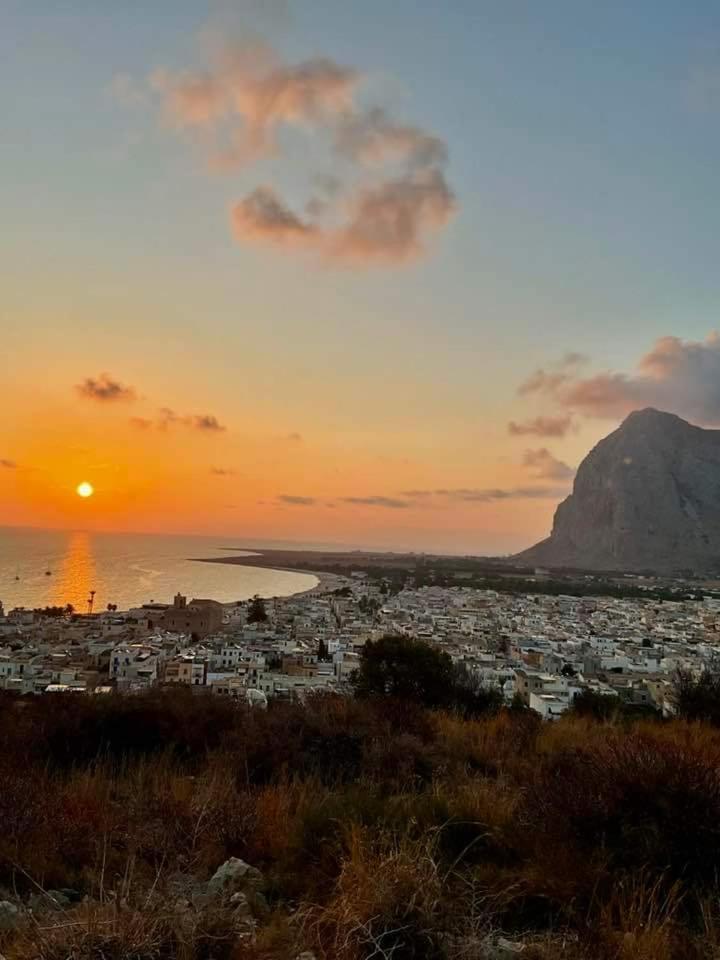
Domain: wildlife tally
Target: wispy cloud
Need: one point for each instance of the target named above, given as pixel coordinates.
(222, 472)
(105, 389)
(296, 501)
(544, 466)
(205, 422)
(167, 418)
(8, 464)
(682, 376)
(391, 503)
(141, 423)
(489, 494)
(541, 426)
(389, 196)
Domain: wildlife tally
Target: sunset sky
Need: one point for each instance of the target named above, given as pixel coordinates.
(369, 273)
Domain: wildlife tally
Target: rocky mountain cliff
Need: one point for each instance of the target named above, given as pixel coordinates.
(647, 497)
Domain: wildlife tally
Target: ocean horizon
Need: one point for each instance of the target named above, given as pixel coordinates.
(55, 567)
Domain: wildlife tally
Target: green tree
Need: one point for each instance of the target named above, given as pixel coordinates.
(398, 666)
(470, 695)
(256, 610)
(697, 698)
(600, 706)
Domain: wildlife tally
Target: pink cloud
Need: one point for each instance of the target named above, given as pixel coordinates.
(263, 217)
(681, 376)
(544, 466)
(541, 426)
(390, 196)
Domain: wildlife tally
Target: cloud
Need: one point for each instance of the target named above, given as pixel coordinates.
(263, 217)
(490, 494)
(389, 222)
(296, 501)
(8, 464)
(681, 376)
(373, 138)
(105, 389)
(222, 472)
(191, 99)
(203, 422)
(250, 93)
(390, 502)
(458, 495)
(544, 466)
(541, 426)
(294, 437)
(141, 423)
(387, 195)
(542, 382)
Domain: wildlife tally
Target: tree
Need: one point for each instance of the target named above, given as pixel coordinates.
(600, 706)
(697, 698)
(256, 610)
(408, 669)
(398, 666)
(470, 694)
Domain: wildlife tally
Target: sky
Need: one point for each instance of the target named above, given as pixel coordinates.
(365, 273)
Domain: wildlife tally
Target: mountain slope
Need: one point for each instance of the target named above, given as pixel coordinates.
(647, 497)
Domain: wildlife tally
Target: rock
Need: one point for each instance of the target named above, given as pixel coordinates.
(9, 915)
(306, 955)
(233, 876)
(500, 948)
(506, 949)
(644, 499)
(48, 901)
(72, 896)
(242, 911)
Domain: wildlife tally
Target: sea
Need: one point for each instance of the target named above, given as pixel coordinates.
(41, 568)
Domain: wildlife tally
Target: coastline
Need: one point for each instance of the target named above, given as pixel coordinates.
(327, 582)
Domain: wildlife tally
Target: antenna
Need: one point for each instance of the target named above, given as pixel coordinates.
(91, 600)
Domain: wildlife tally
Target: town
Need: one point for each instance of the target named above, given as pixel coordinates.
(540, 650)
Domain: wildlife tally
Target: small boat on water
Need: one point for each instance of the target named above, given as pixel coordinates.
(48, 572)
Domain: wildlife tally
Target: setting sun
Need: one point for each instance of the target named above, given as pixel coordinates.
(85, 489)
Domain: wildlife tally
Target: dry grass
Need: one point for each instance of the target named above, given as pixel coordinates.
(382, 830)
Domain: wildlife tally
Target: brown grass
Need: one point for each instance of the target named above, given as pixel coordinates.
(381, 830)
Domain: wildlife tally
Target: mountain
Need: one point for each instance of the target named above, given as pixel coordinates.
(646, 498)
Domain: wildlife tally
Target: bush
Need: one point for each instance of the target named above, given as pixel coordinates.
(697, 698)
(378, 825)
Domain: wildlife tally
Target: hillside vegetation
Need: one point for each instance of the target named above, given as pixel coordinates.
(375, 828)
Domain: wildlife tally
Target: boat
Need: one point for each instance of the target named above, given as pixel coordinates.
(48, 572)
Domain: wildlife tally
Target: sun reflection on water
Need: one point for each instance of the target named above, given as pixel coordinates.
(76, 575)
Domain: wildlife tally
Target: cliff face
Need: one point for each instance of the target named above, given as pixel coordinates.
(647, 497)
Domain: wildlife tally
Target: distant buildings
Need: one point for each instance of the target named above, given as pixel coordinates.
(544, 650)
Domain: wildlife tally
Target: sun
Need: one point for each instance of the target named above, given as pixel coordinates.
(85, 489)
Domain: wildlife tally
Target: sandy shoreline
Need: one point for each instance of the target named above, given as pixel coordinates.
(327, 582)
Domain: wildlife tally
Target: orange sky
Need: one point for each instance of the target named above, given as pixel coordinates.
(162, 472)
